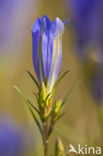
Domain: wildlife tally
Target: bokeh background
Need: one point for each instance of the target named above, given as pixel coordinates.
(82, 55)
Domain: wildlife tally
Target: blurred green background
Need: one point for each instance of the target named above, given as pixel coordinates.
(83, 119)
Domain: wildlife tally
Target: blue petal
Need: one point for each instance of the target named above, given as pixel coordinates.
(56, 27)
(56, 32)
(46, 23)
(40, 26)
(52, 30)
(36, 33)
(47, 46)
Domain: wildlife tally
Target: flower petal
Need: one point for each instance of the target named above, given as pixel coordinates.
(57, 30)
(47, 47)
(36, 33)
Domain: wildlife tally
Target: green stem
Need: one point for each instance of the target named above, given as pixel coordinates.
(46, 148)
(46, 137)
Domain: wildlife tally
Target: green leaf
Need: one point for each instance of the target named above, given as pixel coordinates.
(62, 76)
(30, 109)
(36, 96)
(60, 116)
(35, 81)
(33, 107)
(46, 82)
(69, 93)
(47, 96)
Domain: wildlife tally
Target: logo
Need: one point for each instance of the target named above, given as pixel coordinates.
(85, 150)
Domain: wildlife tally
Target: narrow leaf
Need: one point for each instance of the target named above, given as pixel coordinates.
(47, 96)
(33, 107)
(36, 96)
(30, 109)
(60, 116)
(62, 76)
(46, 81)
(35, 81)
(37, 121)
(69, 93)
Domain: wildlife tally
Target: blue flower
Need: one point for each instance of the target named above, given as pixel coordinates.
(88, 23)
(88, 27)
(47, 49)
(11, 140)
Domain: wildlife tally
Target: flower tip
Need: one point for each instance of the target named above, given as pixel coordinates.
(59, 23)
(37, 24)
(58, 20)
(45, 16)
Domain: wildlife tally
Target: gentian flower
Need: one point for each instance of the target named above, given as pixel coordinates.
(11, 138)
(47, 49)
(87, 21)
(88, 29)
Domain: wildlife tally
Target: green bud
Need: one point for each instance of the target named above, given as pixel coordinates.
(48, 107)
(58, 105)
(59, 149)
(45, 101)
(56, 110)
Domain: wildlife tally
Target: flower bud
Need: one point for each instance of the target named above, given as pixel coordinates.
(56, 110)
(47, 49)
(59, 149)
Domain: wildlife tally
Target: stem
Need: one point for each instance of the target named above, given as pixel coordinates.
(51, 128)
(46, 148)
(46, 137)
